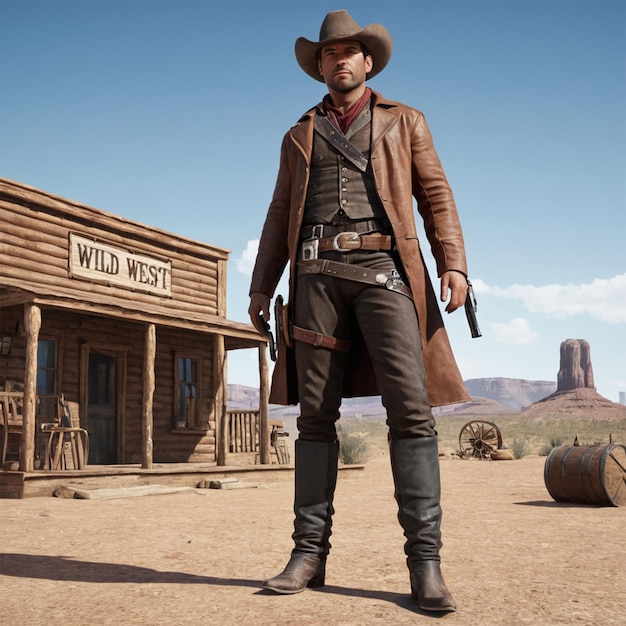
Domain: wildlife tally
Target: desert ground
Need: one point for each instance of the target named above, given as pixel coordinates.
(511, 555)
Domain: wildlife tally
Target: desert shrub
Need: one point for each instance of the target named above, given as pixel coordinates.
(556, 440)
(353, 448)
(519, 447)
(545, 449)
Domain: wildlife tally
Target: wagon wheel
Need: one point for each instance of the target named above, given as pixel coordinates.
(479, 439)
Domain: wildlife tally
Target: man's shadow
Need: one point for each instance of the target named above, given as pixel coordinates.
(67, 569)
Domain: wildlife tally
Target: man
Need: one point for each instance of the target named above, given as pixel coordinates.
(364, 318)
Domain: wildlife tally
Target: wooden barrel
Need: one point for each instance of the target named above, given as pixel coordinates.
(587, 474)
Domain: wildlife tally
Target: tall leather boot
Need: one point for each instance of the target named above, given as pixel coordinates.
(315, 482)
(415, 466)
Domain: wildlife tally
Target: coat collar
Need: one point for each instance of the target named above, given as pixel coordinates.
(385, 113)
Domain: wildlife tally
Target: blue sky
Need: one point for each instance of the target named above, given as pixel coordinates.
(171, 113)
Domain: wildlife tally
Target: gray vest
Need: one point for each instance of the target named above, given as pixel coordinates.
(338, 189)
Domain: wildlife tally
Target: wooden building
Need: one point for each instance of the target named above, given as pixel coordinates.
(123, 320)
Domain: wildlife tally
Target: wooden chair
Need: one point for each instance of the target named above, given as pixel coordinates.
(278, 442)
(68, 443)
(11, 422)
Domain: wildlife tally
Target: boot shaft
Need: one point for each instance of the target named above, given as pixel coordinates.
(315, 482)
(415, 467)
(315, 476)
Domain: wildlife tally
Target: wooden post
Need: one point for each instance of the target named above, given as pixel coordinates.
(32, 325)
(147, 419)
(220, 373)
(264, 435)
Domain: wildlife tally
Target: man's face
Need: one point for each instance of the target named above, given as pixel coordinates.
(344, 66)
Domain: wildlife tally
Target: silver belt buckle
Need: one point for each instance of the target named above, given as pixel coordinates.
(353, 238)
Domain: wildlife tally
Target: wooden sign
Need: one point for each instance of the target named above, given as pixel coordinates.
(98, 261)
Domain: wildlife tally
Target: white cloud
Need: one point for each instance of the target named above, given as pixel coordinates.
(245, 264)
(602, 299)
(517, 331)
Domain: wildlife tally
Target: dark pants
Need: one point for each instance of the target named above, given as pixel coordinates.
(388, 323)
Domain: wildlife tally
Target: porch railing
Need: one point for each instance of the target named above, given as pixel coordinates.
(243, 429)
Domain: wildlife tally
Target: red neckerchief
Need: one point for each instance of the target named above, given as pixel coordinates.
(344, 120)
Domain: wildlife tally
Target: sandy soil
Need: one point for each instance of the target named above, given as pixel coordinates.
(511, 555)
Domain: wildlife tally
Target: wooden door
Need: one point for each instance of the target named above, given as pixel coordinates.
(102, 409)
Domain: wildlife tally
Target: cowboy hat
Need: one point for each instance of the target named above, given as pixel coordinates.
(339, 26)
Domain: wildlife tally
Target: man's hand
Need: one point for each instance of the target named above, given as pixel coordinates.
(259, 307)
(456, 282)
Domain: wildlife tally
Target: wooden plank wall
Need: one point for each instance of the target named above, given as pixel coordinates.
(73, 329)
(12, 367)
(177, 446)
(34, 244)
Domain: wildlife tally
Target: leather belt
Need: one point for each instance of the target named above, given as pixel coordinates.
(320, 231)
(319, 340)
(346, 242)
(390, 279)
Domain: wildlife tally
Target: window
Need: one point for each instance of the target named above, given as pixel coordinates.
(46, 366)
(46, 379)
(187, 392)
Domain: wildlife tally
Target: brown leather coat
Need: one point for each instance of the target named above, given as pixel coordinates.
(405, 165)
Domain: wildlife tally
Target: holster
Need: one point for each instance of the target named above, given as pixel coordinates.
(283, 326)
(286, 332)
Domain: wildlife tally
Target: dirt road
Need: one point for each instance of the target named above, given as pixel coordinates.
(511, 555)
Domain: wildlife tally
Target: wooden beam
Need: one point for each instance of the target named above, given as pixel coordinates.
(147, 418)
(220, 375)
(32, 326)
(238, 334)
(264, 434)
